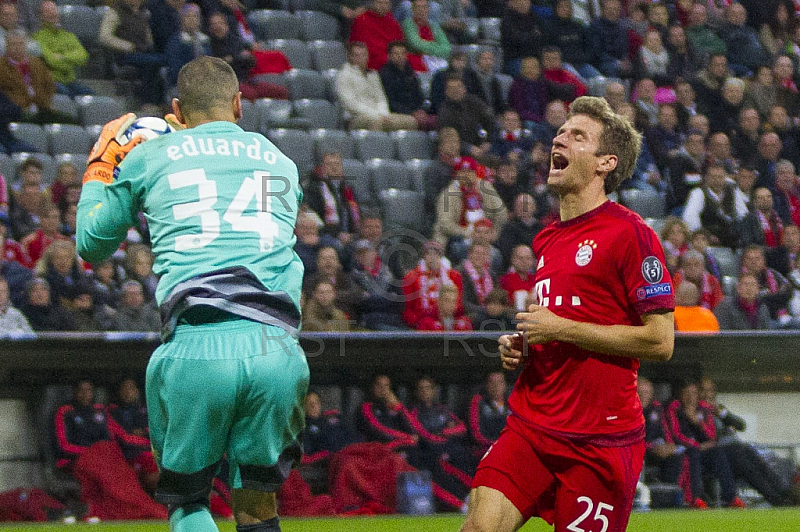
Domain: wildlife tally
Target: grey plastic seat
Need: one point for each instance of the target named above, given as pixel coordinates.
(272, 113)
(418, 168)
(412, 145)
(402, 209)
(250, 120)
(32, 134)
(321, 113)
(647, 204)
(318, 25)
(83, 21)
(270, 24)
(490, 29)
(296, 51)
(328, 54)
(98, 109)
(727, 259)
(387, 173)
(373, 144)
(358, 177)
(64, 104)
(295, 144)
(333, 140)
(68, 138)
(308, 84)
(7, 168)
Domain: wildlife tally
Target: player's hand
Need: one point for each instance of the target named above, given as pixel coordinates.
(109, 150)
(540, 325)
(510, 357)
(173, 121)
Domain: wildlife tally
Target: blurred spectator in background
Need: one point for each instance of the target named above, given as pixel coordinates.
(468, 115)
(382, 303)
(692, 269)
(62, 52)
(782, 258)
(465, 201)
(477, 279)
(685, 170)
(377, 28)
(125, 31)
(762, 225)
(187, 44)
(106, 283)
(345, 10)
(644, 103)
(745, 52)
(745, 179)
(36, 243)
(572, 38)
(787, 94)
(497, 315)
(59, 266)
(609, 41)
(27, 82)
(743, 311)
(521, 35)
(457, 65)
(528, 94)
(511, 141)
(165, 21)
(133, 313)
(685, 103)
(66, 176)
(519, 280)
(382, 417)
(361, 94)
(483, 234)
(708, 82)
(761, 91)
(716, 207)
(10, 112)
(664, 139)
(402, 88)
(10, 24)
(439, 174)
(320, 313)
(521, 228)
(425, 37)
(689, 315)
(12, 321)
(423, 284)
(675, 239)
(231, 47)
(684, 61)
(329, 195)
(744, 137)
(562, 84)
(555, 114)
(785, 198)
(138, 265)
(308, 241)
(329, 270)
(10, 250)
(701, 35)
(84, 314)
(491, 86)
(774, 290)
(653, 60)
(507, 183)
(769, 153)
(723, 117)
(235, 13)
(661, 450)
(446, 319)
(488, 412)
(40, 311)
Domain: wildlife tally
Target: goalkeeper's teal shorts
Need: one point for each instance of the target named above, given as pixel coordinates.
(232, 388)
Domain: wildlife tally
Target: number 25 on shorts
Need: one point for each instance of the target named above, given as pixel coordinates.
(575, 526)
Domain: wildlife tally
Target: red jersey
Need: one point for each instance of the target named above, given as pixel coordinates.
(517, 288)
(605, 267)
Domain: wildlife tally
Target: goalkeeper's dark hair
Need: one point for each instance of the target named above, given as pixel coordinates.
(206, 84)
(619, 137)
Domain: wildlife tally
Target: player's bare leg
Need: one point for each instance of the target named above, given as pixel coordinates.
(255, 511)
(490, 511)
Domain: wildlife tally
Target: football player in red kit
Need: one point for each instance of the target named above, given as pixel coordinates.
(573, 446)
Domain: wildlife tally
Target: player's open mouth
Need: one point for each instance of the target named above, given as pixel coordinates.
(558, 161)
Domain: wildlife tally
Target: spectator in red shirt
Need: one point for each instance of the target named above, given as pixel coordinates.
(693, 269)
(376, 28)
(446, 319)
(563, 84)
(787, 203)
(10, 250)
(423, 284)
(528, 92)
(36, 243)
(518, 282)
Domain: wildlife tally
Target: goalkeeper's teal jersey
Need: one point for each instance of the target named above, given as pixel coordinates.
(214, 196)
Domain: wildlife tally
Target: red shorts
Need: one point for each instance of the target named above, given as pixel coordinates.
(568, 484)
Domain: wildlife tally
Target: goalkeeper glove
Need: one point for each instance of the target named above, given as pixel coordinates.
(110, 149)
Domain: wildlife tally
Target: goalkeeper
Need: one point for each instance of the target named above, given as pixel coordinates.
(229, 377)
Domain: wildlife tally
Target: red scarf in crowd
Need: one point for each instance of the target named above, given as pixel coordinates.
(471, 200)
(751, 311)
(772, 227)
(482, 281)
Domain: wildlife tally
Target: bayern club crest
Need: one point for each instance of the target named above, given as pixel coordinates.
(585, 252)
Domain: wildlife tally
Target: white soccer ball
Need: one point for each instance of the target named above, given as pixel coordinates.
(148, 127)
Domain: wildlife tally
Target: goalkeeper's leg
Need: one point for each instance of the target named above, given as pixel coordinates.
(255, 511)
(186, 496)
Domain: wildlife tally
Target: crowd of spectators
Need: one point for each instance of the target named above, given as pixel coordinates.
(713, 90)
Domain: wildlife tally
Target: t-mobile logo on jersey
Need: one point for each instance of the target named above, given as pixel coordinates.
(542, 289)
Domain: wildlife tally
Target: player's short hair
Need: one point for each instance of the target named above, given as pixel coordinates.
(206, 84)
(619, 137)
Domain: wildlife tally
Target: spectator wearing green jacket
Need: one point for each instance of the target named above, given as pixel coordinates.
(425, 38)
(62, 52)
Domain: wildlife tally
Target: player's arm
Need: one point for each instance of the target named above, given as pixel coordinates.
(106, 208)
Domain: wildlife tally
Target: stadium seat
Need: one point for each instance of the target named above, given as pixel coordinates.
(278, 79)
(330, 83)
(490, 30)
(48, 166)
(729, 285)
(64, 104)
(250, 120)
(412, 145)
(656, 224)
(98, 109)
(358, 176)
(505, 84)
(295, 50)
(272, 113)
(418, 167)
(373, 144)
(67, 138)
(321, 113)
(386, 174)
(328, 54)
(83, 21)
(318, 25)
(333, 140)
(306, 84)
(77, 159)
(295, 144)
(402, 209)
(473, 28)
(646, 203)
(425, 79)
(728, 261)
(273, 24)
(7, 168)
(32, 134)
(301, 5)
